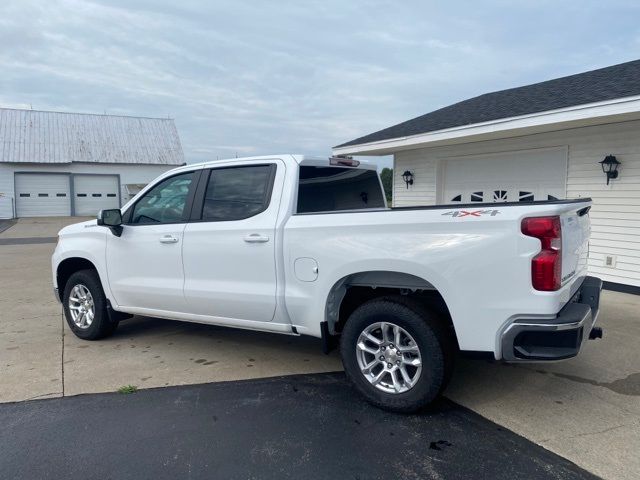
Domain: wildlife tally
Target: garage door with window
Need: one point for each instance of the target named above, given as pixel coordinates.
(521, 176)
(93, 193)
(42, 195)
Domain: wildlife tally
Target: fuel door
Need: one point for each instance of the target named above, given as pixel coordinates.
(306, 269)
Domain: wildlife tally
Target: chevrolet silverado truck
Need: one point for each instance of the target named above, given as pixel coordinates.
(307, 246)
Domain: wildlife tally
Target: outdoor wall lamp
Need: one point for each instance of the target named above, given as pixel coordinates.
(407, 176)
(610, 167)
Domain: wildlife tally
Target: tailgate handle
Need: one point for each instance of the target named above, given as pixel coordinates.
(583, 211)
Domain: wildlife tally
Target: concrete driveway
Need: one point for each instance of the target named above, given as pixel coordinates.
(43, 359)
(586, 409)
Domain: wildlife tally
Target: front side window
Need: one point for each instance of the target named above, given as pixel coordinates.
(236, 193)
(164, 203)
(328, 189)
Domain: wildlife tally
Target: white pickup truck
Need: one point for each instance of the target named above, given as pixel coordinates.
(307, 246)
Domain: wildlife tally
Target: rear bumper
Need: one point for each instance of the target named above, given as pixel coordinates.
(555, 339)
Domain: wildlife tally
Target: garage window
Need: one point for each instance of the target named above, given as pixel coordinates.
(499, 195)
(25, 194)
(526, 197)
(61, 194)
(43, 194)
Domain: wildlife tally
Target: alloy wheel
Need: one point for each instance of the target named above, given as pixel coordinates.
(389, 357)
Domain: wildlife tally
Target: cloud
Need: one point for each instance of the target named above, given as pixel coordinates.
(259, 77)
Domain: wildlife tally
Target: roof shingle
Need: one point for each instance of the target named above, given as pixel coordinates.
(604, 84)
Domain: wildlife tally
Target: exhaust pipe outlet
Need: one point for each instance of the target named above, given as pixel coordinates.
(596, 332)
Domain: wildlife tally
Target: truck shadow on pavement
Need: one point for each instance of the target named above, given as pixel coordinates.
(138, 329)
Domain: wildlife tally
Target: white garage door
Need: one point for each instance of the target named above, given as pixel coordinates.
(93, 193)
(42, 195)
(506, 177)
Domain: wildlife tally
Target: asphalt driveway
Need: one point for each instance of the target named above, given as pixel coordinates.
(310, 426)
(586, 409)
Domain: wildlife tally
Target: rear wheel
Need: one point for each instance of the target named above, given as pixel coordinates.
(398, 354)
(85, 306)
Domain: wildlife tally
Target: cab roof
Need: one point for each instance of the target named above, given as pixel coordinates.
(310, 160)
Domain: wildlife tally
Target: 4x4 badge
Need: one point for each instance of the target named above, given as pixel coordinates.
(472, 213)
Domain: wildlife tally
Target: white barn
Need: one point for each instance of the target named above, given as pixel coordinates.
(540, 141)
(66, 164)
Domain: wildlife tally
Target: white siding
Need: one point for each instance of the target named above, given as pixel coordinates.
(142, 174)
(423, 190)
(7, 202)
(615, 216)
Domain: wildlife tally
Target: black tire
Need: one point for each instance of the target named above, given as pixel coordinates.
(431, 334)
(101, 326)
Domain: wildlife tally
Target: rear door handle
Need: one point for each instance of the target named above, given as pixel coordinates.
(256, 238)
(168, 239)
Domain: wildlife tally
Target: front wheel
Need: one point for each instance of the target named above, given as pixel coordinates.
(85, 306)
(398, 354)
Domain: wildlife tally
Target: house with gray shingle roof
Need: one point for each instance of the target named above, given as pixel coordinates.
(536, 142)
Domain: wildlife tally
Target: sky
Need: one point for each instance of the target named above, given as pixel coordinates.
(264, 77)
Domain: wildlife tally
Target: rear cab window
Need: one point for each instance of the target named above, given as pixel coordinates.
(236, 193)
(333, 189)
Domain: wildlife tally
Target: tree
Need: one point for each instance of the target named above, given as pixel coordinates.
(386, 175)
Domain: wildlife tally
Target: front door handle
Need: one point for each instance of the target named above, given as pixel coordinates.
(256, 238)
(168, 239)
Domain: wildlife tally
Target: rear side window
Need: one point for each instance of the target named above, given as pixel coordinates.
(329, 189)
(236, 193)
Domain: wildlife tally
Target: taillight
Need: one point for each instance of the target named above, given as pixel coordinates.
(546, 266)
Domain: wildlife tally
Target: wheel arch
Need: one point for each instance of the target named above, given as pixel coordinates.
(69, 266)
(356, 288)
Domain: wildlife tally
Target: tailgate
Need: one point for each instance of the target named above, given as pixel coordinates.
(576, 228)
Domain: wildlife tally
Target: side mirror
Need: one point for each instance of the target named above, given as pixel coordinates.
(111, 218)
